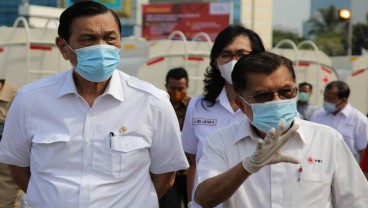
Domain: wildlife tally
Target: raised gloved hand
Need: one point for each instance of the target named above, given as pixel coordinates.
(268, 149)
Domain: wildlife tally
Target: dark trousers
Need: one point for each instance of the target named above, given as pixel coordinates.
(176, 197)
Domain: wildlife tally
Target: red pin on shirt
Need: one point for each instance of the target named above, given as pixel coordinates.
(300, 170)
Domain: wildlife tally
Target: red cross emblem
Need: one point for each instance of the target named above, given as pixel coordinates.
(325, 79)
(310, 160)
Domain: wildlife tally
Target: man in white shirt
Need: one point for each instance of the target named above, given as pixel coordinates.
(92, 136)
(275, 159)
(338, 113)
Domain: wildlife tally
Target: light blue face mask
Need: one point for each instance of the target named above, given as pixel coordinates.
(97, 63)
(268, 115)
(303, 97)
(329, 107)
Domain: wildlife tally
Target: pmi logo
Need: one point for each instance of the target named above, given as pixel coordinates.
(312, 160)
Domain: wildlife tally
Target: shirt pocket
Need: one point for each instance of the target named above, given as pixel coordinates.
(307, 185)
(126, 155)
(47, 150)
(347, 132)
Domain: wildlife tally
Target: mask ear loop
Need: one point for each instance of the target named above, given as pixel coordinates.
(72, 50)
(69, 46)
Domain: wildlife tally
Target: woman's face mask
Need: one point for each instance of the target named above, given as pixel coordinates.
(226, 70)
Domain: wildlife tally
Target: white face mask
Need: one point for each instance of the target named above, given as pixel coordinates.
(226, 69)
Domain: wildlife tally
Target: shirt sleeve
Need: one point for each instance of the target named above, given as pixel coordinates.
(167, 153)
(189, 139)
(349, 186)
(361, 133)
(213, 161)
(15, 146)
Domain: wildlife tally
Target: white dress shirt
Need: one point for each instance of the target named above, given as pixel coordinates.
(330, 178)
(351, 123)
(200, 121)
(99, 156)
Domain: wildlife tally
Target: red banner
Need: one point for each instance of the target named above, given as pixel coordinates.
(159, 20)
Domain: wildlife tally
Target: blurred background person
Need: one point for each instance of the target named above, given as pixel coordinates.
(177, 83)
(216, 108)
(304, 106)
(364, 163)
(8, 189)
(339, 114)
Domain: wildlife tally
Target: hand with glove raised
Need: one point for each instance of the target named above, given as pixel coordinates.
(268, 150)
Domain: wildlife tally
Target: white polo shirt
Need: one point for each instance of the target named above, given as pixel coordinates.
(329, 169)
(351, 123)
(200, 121)
(99, 156)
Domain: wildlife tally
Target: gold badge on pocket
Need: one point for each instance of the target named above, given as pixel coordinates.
(123, 130)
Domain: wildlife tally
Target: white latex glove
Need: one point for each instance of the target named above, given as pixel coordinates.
(190, 204)
(268, 150)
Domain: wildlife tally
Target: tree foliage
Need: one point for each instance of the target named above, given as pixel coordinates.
(329, 33)
(360, 37)
(279, 35)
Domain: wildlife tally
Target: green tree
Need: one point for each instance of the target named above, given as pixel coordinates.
(360, 37)
(328, 32)
(278, 35)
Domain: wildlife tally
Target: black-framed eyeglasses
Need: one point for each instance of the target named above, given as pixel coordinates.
(285, 93)
(226, 56)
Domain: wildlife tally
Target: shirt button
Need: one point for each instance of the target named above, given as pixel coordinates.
(86, 187)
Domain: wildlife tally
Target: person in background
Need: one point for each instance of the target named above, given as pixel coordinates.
(92, 136)
(339, 114)
(8, 189)
(305, 108)
(364, 163)
(177, 83)
(273, 158)
(216, 108)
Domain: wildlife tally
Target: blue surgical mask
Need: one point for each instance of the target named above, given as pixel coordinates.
(97, 63)
(303, 96)
(268, 115)
(329, 107)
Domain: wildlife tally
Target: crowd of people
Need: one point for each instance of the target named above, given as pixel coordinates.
(93, 136)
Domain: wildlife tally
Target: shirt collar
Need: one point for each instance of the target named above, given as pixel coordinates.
(247, 131)
(224, 101)
(114, 88)
(68, 87)
(346, 110)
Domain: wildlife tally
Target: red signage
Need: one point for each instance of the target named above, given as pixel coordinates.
(159, 20)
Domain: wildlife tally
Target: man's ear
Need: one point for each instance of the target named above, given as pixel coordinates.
(239, 103)
(63, 48)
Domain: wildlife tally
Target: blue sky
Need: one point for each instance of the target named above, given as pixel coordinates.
(290, 14)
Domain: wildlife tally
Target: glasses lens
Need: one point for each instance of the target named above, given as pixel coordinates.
(241, 54)
(287, 93)
(225, 57)
(263, 97)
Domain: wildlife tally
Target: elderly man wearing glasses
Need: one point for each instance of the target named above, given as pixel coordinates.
(273, 158)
